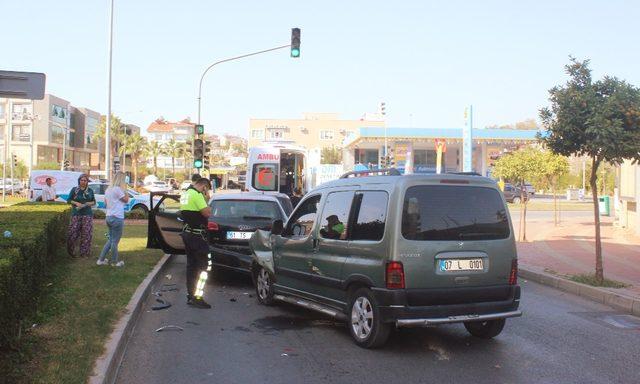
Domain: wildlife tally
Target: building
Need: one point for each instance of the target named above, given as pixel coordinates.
(366, 146)
(629, 195)
(163, 132)
(49, 131)
(313, 132)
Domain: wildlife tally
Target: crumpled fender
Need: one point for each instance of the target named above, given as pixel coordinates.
(262, 253)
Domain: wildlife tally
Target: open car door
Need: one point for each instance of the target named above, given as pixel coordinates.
(164, 224)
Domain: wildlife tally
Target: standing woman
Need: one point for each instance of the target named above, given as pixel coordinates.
(115, 198)
(81, 227)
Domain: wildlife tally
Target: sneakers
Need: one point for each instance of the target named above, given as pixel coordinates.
(119, 264)
(102, 262)
(198, 303)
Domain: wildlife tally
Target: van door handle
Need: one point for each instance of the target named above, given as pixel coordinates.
(315, 243)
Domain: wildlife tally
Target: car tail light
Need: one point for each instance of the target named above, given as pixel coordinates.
(395, 275)
(212, 226)
(513, 276)
(453, 181)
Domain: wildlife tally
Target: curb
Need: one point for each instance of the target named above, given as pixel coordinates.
(106, 366)
(624, 303)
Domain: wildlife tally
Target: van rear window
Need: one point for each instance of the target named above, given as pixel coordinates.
(438, 212)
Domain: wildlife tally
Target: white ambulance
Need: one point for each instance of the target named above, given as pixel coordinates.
(277, 168)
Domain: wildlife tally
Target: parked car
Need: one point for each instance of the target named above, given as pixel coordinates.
(234, 219)
(137, 201)
(157, 186)
(513, 194)
(12, 186)
(395, 251)
(184, 185)
(530, 189)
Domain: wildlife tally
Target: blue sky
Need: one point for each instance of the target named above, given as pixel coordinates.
(427, 60)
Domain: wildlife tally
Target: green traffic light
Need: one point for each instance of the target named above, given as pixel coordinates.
(295, 52)
(197, 163)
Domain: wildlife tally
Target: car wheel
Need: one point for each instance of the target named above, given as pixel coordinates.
(485, 329)
(365, 322)
(264, 287)
(516, 200)
(141, 208)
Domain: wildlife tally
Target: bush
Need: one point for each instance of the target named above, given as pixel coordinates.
(136, 214)
(37, 231)
(99, 214)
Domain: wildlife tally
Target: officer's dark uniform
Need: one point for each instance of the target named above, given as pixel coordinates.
(195, 242)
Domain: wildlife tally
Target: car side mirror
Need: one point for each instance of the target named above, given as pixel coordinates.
(277, 227)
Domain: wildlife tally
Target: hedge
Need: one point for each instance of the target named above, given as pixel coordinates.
(37, 232)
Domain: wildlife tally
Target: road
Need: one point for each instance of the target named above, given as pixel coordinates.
(560, 339)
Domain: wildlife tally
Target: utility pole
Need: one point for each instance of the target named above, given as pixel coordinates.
(107, 153)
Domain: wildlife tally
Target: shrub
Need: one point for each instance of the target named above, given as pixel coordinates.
(136, 214)
(99, 214)
(37, 230)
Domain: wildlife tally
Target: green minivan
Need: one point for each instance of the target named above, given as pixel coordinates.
(395, 250)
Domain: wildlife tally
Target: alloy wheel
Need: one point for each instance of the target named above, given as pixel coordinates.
(362, 317)
(264, 284)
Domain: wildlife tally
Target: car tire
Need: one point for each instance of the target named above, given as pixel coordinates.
(141, 207)
(516, 200)
(264, 286)
(485, 329)
(365, 321)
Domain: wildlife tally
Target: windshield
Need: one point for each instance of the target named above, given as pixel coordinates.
(438, 212)
(245, 209)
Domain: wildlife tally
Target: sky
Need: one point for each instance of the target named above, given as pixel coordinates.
(427, 60)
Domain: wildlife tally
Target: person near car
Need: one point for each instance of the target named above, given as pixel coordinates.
(115, 199)
(296, 197)
(80, 229)
(49, 191)
(195, 212)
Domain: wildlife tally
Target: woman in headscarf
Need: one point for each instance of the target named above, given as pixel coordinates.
(81, 199)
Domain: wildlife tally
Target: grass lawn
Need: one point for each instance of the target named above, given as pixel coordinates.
(10, 200)
(548, 206)
(83, 301)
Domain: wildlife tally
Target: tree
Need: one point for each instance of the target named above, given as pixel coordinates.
(47, 165)
(600, 120)
(135, 146)
(552, 168)
(116, 131)
(331, 155)
(154, 149)
(174, 149)
(524, 124)
(518, 167)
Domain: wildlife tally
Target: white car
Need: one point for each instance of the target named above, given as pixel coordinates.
(157, 186)
(185, 184)
(11, 187)
(139, 201)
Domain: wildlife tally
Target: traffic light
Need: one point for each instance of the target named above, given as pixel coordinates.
(66, 164)
(295, 42)
(199, 129)
(383, 161)
(382, 108)
(207, 154)
(15, 160)
(198, 153)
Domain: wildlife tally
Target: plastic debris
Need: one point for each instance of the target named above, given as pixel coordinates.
(8, 234)
(168, 276)
(284, 354)
(170, 328)
(163, 305)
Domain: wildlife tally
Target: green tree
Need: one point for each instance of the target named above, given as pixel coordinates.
(552, 168)
(154, 149)
(331, 155)
(239, 149)
(47, 165)
(135, 147)
(116, 131)
(175, 150)
(517, 167)
(598, 119)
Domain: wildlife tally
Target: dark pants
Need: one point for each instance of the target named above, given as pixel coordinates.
(197, 251)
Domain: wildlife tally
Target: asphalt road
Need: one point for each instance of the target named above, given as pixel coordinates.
(560, 339)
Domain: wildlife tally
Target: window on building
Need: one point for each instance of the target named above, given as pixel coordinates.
(1, 131)
(1, 111)
(424, 160)
(276, 134)
(335, 215)
(366, 157)
(301, 222)
(47, 154)
(256, 133)
(20, 133)
(326, 135)
(372, 214)
(59, 113)
(22, 111)
(57, 133)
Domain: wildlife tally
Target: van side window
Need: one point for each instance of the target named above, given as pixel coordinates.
(335, 215)
(301, 222)
(372, 215)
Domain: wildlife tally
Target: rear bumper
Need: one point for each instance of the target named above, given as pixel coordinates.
(395, 308)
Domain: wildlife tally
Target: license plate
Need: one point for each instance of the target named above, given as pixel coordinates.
(239, 235)
(452, 265)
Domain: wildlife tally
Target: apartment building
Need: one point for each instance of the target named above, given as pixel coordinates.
(49, 131)
(163, 132)
(313, 131)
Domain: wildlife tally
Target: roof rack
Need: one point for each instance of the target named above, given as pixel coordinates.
(464, 173)
(388, 171)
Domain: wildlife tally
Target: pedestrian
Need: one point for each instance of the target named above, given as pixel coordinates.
(81, 228)
(297, 196)
(195, 213)
(49, 191)
(115, 199)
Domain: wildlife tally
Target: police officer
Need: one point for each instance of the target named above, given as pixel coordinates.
(195, 212)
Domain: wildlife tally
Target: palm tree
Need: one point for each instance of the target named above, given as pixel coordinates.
(135, 146)
(188, 156)
(154, 149)
(173, 149)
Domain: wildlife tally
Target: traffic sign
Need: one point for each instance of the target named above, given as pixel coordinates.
(22, 85)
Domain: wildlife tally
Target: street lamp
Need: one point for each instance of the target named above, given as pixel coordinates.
(107, 152)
